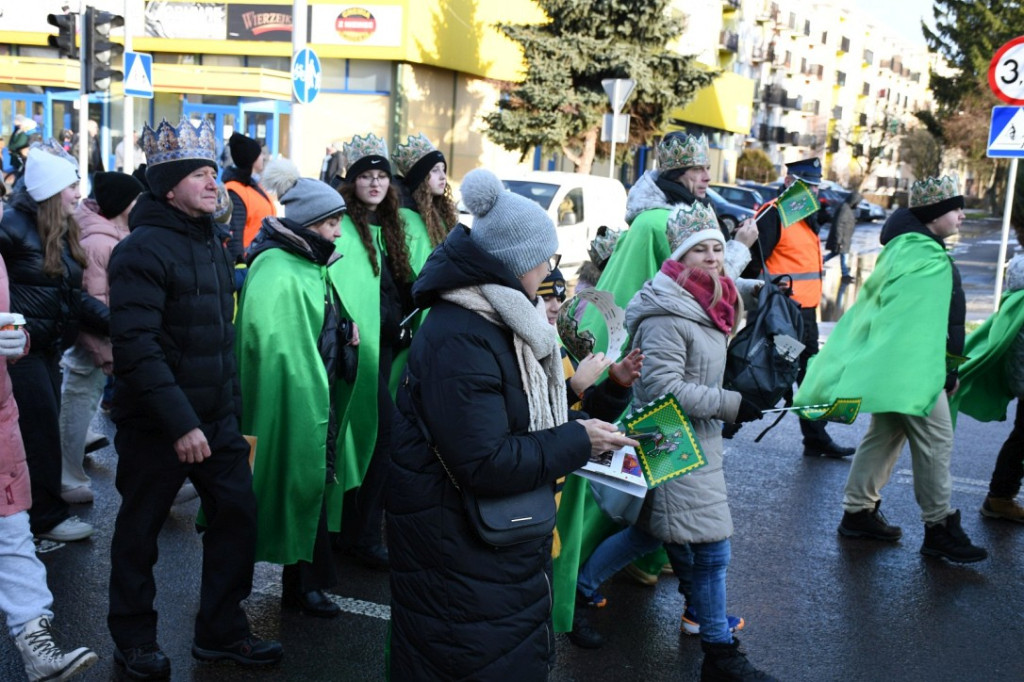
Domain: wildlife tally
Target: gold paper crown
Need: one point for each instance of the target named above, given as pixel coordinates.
(603, 244)
(683, 151)
(168, 143)
(686, 221)
(54, 147)
(406, 155)
(934, 190)
(359, 147)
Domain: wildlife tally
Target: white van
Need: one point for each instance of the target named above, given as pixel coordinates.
(578, 204)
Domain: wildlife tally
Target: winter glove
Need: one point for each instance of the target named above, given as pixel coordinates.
(12, 341)
(749, 411)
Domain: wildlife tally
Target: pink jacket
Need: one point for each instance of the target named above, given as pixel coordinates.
(15, 492)
(99, 237)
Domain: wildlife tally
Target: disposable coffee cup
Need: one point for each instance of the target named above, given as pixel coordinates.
(18, 323)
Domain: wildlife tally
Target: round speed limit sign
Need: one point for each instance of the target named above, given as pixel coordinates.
(1006, 72)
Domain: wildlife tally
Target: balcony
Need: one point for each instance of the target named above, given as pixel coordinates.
(844, 46)
(730, 6)
(794, 103)
(841, 79)
(862, 120)
(774, 95)
(811, 108)
(728, 41)
(779, 134)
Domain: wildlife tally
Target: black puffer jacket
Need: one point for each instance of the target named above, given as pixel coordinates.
(462, 610)
(171, 303)
(54, 307)
(902, 221)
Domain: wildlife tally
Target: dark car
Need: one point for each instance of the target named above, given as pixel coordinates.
(730, 215)
(767, 191)
(744, 196)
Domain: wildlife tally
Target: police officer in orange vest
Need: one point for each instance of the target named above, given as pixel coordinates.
(249, 203)
(796, 251)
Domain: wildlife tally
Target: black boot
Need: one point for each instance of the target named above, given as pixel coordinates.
(868, 523)
(947, 539)
(584, 635)
(726, 663)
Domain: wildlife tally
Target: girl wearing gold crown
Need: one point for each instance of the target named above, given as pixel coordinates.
(374, 279)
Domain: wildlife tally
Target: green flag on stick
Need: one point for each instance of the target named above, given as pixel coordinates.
(796, 203)
(843, 411)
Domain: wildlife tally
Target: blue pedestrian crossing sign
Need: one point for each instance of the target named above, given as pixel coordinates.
(306, 75)
(1006, 135)
(138, 74)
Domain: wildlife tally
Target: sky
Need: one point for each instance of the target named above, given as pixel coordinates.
(902, 17)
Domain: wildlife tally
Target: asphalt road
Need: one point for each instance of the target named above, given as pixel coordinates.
(818, 607)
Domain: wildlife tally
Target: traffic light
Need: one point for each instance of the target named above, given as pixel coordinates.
(99, 50)
(65, 38)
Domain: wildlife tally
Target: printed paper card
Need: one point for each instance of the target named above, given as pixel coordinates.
(620, 470)
(668, 445)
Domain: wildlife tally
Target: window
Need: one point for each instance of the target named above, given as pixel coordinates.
(356, 75)
(274, 63)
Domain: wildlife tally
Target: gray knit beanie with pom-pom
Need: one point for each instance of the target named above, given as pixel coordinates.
(510, 227)
(305, 201)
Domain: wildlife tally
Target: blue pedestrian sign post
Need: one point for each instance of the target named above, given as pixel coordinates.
(306, 75)
(1006, 134)
(138, 75)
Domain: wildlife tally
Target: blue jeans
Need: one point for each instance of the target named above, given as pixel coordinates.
(710, 566)
(614, 554)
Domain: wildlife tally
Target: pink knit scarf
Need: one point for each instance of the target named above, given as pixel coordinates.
(701, 285)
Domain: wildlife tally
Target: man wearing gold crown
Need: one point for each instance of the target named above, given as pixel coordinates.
(914, 293)
(176, 405)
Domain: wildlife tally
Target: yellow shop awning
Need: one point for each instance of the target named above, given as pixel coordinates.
(727, 104)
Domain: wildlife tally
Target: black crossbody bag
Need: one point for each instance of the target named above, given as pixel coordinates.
(499, 521)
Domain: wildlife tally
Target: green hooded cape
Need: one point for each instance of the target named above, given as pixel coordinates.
(984, 392)
(286, 404)
(356, 403)
(889, 349)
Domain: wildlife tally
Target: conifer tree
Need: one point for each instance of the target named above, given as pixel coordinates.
(560, 104)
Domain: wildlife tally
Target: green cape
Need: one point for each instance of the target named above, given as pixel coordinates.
(984, 392)
(889, 349)
(418, 241)
(286, 404)
(356, 403)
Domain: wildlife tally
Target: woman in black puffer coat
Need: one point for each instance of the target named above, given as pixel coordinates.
(484, 379)
(39, 241)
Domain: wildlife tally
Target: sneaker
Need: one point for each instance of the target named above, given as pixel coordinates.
(186, 493)
(584, 635)
(727, 663)
(641, 576)
(68, 530)
(43, 659)
(691, 626)
(948, 540)
(249, 650)
(595, 600)
(1002, 508)
(868, 523)
(80, 494)
(146, 662)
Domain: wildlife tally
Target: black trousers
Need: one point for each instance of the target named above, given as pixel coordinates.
(148, 477)
(813, 431)
(319, 574)
(1006, 477)
(36, 381)
(370, 496)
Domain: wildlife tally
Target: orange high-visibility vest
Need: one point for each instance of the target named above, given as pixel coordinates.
(798, 254)
(257, 207)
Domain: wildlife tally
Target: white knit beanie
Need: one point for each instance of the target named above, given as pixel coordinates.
(510, 227)
(47, 174)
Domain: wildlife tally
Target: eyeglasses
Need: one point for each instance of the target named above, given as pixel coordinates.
(553, 262)
(368, 179)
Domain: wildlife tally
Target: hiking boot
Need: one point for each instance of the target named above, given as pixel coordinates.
(726, 663)
(68, 530)
(249, 650)
(691, 626)
(43, 659)
(1002, 508)
(584, 635)
(595, 600)
(146, 662)
(641, 576)
(947, 539)
(832, 450)
(869, 523)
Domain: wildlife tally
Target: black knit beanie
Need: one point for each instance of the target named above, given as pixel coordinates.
(244, 150)
(929, 212)
(421, 169)
(368, 162)
(114, 192)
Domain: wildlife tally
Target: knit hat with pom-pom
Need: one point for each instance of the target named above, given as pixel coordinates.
(510, 227)
(305, 201)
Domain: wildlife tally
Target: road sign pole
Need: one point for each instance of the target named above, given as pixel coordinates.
(128, 117)
(295, 121)
(615, 134)
(1007, 209)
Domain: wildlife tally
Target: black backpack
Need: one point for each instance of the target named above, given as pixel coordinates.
(755, 367)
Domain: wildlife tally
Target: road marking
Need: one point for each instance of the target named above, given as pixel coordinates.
(267, 583)
(960, 484)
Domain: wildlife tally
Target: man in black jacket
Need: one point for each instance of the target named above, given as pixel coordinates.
(177, 405)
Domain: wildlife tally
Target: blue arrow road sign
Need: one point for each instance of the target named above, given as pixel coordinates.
(306, 75)
(138, 74)
(1006, 135)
